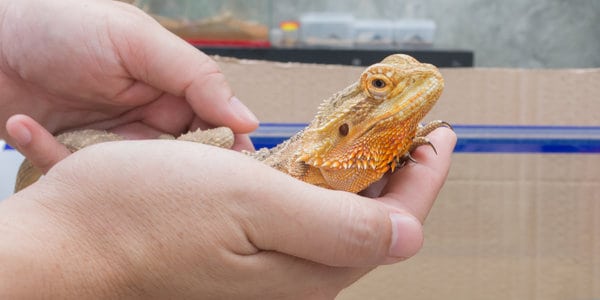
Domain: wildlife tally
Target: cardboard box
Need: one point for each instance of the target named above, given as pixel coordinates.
(506, 225)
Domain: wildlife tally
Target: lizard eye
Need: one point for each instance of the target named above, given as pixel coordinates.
(344, 129)
(378, 86)
(378, 83)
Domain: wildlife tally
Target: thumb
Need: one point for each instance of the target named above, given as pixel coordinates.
(331, 227)
(33, 141)
(161, 59)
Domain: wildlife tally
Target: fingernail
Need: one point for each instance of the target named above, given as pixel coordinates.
(241, 110)
(407, 236)
(20, 134)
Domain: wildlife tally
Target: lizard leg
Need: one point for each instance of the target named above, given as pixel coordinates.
(426, 129)
(220, 137)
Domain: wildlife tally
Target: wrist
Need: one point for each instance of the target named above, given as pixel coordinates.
(42, 259)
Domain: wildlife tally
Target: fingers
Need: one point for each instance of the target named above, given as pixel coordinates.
(330, 227)
(35, 142)
(161, 59)
(242, 142)
(416, 186)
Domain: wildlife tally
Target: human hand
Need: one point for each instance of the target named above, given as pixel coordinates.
(204, 220)
(107, 65)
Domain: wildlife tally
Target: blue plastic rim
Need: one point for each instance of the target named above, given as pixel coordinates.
(476, 138)
(482, 138)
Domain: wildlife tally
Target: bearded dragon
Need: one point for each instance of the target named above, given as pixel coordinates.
(358, 134)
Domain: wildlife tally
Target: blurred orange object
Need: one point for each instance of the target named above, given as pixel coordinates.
(289, 25)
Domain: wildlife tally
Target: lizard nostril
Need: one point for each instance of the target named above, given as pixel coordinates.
(344, 129)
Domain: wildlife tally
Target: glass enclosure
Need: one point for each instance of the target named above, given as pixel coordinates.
(214, 22)
(294, 23)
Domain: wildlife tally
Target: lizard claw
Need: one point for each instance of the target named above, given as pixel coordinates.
(420, 141)
(401, 161)
(412, 159)
(432, 147)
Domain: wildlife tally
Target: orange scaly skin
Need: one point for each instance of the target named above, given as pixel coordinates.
(364, 130)
(358, 135)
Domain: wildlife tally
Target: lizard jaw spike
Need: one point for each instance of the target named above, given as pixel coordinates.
(302, 158)
(313, 161)
(318, 161)
(393, 165)
(372, 165)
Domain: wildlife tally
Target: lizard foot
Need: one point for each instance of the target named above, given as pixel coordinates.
(419, 140)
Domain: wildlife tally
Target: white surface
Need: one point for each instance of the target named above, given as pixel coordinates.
(9, 164)
(327, 29)
(414, 31)
(377, 32)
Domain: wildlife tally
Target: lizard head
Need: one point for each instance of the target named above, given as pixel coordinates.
(373, 121)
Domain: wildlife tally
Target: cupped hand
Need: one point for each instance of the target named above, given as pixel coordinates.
(207, 221)
(107, 65)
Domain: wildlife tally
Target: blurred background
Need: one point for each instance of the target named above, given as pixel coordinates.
(463, 33)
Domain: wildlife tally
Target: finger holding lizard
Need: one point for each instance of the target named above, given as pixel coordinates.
(196, 222)
(414, 187)
(410, 193)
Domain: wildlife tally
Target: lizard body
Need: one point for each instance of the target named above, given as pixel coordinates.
(358, 134)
